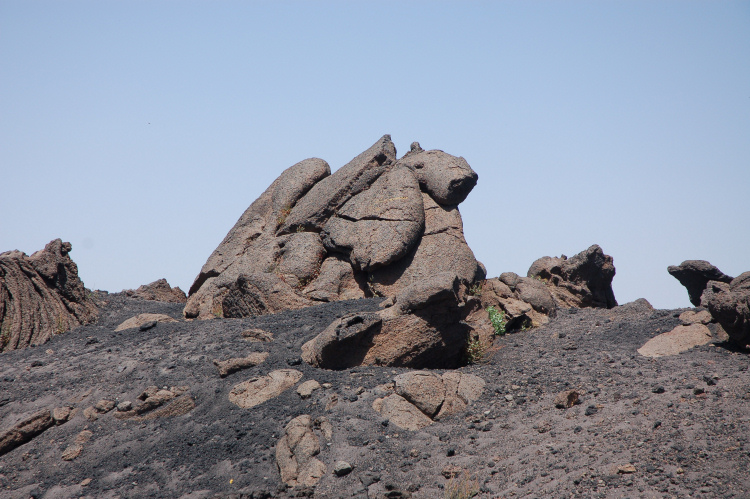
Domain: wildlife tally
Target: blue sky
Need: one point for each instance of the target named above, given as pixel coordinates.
(140, 131)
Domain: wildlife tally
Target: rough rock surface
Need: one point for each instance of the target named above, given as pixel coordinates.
(229, 366)
(296, 451)
(255, 391)
(257, 294)
(40, 296)
(676, 341)
(337, 280)
(695, 275)
(584, 280)
(420, 397)
(442, 247)
(328, 195)
(379, 225)
(525, 301)
(251, 247)
(729, 305)
(159, 290)
(447, 179)
(401, 412)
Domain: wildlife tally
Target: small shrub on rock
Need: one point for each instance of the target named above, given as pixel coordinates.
(498, 320)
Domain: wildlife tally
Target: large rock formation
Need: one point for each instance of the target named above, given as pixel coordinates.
(585, 280)
(375, 227)
(695, 276)
(729, 305)
(40, 296)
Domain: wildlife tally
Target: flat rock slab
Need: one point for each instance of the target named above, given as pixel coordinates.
(422, 396)
(401, 412)
(229, 366)
(141, 319)
(678, 340)
(696, 317)
(295, 453)
(255, 391)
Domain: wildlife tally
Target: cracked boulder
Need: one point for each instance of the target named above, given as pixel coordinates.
(729, 305)
(40, 296)
(372, 228)
(337, 280)
(379, 225)
(584, 280)
(312, 211)
(442, 247)
(695, 276)
(296, 451)
(420, 397)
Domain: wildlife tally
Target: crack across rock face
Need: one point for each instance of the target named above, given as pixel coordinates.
(420, 397)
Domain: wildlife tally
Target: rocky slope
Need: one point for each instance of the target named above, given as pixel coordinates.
(150, 415)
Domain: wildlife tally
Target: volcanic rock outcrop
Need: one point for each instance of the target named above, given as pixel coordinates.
(159, 290)
(40, 295)
(374, 227)
(695, 276)
(584, 280)
(729, 305)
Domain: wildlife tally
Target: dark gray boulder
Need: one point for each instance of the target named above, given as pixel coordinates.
(379, 225)
(695, 276)
(312, 211)
(729, 305)
(448, 179)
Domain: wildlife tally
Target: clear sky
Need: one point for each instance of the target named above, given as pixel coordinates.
(141, 130)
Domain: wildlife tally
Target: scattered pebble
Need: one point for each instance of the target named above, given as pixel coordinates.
(342, 468)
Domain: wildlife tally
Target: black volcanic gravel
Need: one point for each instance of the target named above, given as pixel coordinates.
(682, 421)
